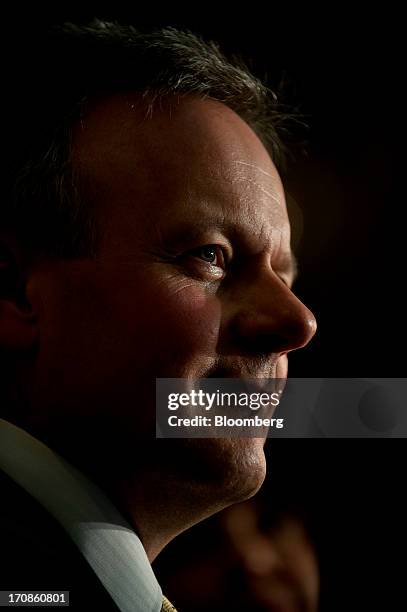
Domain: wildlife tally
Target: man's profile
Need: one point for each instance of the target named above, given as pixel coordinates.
(145, 235)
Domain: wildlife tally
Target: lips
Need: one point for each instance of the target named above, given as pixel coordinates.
(258, 384)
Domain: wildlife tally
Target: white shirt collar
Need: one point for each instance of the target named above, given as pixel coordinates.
(105, 539)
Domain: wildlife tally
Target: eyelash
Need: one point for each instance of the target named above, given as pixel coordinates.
(219, 252)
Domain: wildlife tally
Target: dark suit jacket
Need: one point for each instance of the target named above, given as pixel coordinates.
(37, 554)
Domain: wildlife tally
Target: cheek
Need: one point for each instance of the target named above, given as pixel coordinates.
(187, 318)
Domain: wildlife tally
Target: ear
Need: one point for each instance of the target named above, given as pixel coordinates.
(18, 329)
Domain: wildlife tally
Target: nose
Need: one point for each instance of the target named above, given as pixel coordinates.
(270, 318)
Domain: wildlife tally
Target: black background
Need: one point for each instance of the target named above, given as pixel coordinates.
(344, 69)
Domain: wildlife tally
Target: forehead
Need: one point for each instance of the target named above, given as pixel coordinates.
(189, 159)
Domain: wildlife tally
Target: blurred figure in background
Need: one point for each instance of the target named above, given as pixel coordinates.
(277, 564)
(247, 559)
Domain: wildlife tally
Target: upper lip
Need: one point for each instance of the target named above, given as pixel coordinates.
(259, 382)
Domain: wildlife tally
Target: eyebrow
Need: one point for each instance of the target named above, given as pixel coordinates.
(288, 263)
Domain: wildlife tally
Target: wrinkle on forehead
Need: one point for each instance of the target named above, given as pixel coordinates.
(256, 167)
(272, 196)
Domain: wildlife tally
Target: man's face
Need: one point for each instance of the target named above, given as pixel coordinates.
(192, 277)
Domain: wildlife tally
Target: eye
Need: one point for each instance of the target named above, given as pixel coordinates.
(212, 254)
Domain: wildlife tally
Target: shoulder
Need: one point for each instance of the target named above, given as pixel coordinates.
(37, 554)
(32, 543)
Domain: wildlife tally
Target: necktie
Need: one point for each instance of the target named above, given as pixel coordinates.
(167, 606)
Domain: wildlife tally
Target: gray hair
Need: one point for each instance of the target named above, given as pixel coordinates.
(46, 209)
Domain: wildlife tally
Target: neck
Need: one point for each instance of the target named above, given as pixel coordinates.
(157, 511)
(151, 484)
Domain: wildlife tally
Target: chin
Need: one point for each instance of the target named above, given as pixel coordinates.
(228, 470)
(246, 471)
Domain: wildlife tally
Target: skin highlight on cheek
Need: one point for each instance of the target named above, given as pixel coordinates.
(195, 317)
